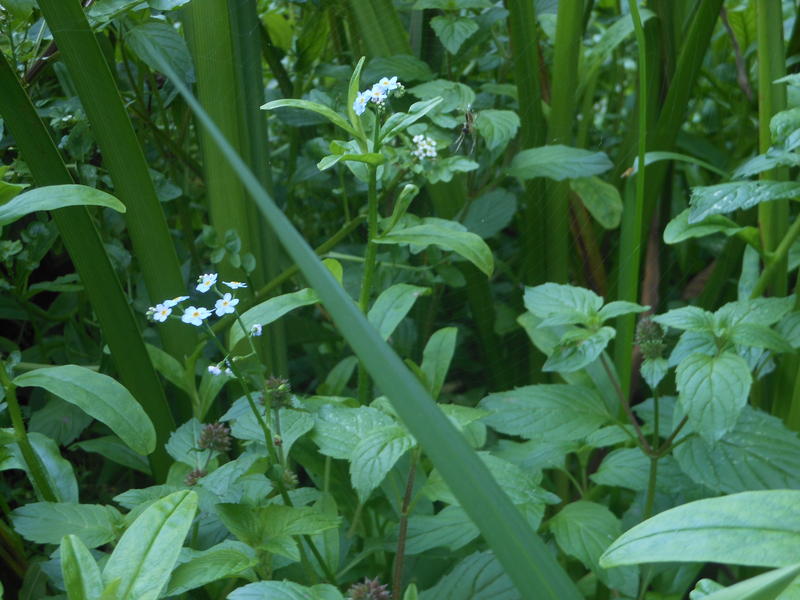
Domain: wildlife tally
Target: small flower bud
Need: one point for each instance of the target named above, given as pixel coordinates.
(369, 589)
(279, 390)
(650, 339)
(216, 437)
(289, 479)
(194, 476)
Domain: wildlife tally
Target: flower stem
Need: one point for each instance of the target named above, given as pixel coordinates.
(399, 557)
(36, 470)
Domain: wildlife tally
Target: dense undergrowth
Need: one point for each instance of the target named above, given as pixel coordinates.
(439, 299)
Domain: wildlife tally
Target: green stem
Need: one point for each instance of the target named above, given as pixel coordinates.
(630, 260)
(397, 575)
(776, 259)
(35, 468)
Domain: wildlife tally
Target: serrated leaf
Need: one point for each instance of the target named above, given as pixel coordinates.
(453, 30)
(54, 197)
(455, 96)
(759, 453)
(48, 522)
(374, 456)
(497, 127)
(759, 311)
(620, 307)
(789, 328)
(687, 318)
(450, 528)
(444, 169)
(99, 396)
(723, 530)
(728, 197)
(712, 390)
(653, 370)
(578, 348)
(489, 213)
(775, 157)
(783, 124)
(337, 430)
(463, 243)
(153, 42)
(600, 198)
(479, 576)
(392, 306)
(550, 299)
(145, 555)
(284, 590)
(182, 444)
(269, 311)
(558, 162)
(759, 336)
(552, 412)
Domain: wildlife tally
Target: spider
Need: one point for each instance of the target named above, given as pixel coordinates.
(467, 131)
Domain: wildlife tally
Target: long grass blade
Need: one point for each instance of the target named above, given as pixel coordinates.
(90, 259)
(526, 559)
(123, 157)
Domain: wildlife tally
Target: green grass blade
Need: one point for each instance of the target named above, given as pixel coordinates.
(522, 29)
(569, 31)
(527, 560)
(123, 157)
(90, 259)
(381, 28)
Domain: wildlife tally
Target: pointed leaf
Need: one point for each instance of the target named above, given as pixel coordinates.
(393, 305)
(601, 199)
(148, 550)
(767, 586)
(679, 229)
(53, 197)
(48, 522)
(453, 30)
(82, 578)
(740, 195)
(558, 162)
(375, 455)
(269, 311)
(436, 358)
(314, 107)
(226, 559)
(99, 396)
(497, 127)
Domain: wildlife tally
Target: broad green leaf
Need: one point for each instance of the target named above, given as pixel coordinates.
(550, 299)
(401, 204)
(114, 449)
(497, 127)
(374, 456)
(294, 424)
(558, 162)
(759, 453)
(491, 212)
(182, 444)
(58, 470)
(767, 586)
(404, 66)
(453, 30)
(226, 559)
(48, 522)
(338, 430)
(53, 197)
(783, 124)
(584, 530)
(553, 412)
(154, 38)
(443, 169)
(9, 190)
(61, 421)
(436, 358)
(712, 390)
(145, 555)
(284, 590)
(775, 157)
(653, 370)
(760, 529)
(99, 396)
(728, 197)
(759, 311)
(82, 577)
(393, 305)
(478, 577)
(170, 368)
(314, 107)
(269, 311)
(337, 378)
(600, 198)
(679, 229)
(272, 527)
(368, 158)
(688, 318)
(400, 121)
(693, 342)
(578, 348)
(455, 96)
(628, 468)
(789, 328)
(620, 307)
(759, 336)
(464, 243)
(450, 528)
